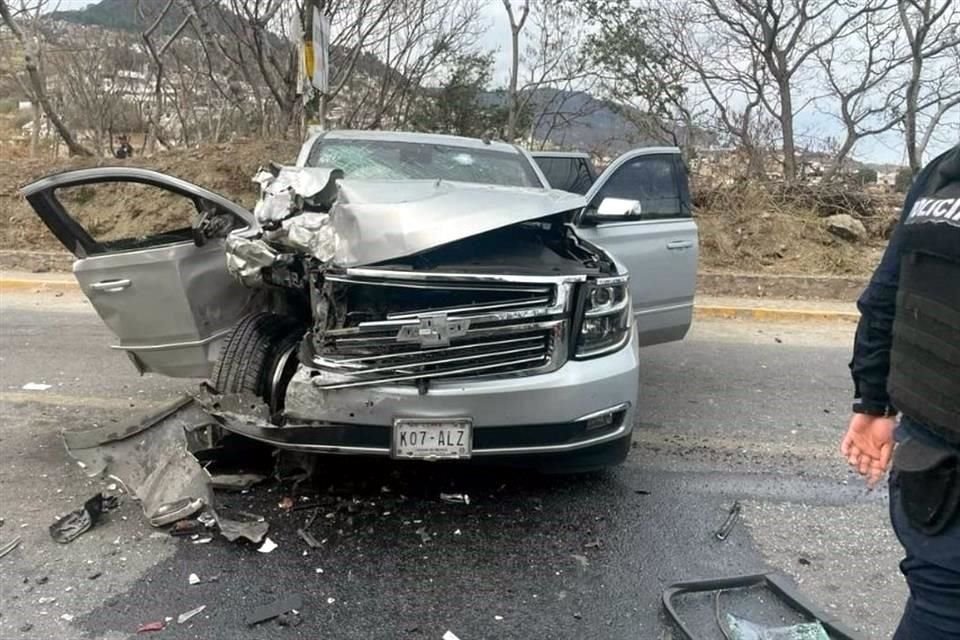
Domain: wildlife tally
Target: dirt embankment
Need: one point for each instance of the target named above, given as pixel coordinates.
(742, 229)
(115, 211)
(753, 229)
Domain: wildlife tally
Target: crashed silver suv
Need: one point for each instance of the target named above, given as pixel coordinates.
(399, 294)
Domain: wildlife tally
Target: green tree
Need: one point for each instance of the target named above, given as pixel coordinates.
(903, 180)
(637, 70)
(463, 104)
(865, 176)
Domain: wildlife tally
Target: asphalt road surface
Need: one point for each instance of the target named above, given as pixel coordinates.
(739, 411)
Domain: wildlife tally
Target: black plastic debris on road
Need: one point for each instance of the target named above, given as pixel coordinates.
(694, 608)
(76, 523)
(275, 609)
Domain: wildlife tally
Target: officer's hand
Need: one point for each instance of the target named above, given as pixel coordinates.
(868, 445)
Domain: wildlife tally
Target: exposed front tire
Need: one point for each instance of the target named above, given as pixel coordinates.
(258, 357)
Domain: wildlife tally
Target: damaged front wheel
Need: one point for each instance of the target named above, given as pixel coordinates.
(259, 356)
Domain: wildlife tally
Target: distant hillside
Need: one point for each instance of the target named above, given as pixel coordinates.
(579, 120)
(122, 15)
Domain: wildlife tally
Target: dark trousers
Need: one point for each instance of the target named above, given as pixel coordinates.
(932, 569)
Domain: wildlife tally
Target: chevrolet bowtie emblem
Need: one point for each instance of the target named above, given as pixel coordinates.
(433, 331)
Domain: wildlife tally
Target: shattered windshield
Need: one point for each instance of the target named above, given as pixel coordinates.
(390, 160)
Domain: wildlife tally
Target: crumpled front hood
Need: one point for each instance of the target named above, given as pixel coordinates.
(381, 220)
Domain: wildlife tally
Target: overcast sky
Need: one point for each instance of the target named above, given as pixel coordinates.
(887, 148)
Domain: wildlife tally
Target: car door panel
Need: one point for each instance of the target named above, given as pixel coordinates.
(170, 304)
(659, 248)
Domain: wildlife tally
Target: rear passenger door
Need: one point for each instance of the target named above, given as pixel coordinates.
(162, 290)
(658, 243)
(567, 171)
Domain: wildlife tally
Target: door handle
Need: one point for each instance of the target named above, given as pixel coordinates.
(679, 244)
(111, 286)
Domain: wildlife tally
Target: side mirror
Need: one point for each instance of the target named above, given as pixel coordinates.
(616, 209)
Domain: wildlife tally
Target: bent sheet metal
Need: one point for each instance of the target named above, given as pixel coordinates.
(151, 457)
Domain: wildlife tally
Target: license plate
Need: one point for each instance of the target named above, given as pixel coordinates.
(432, 439)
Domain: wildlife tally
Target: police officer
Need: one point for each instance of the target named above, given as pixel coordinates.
(906, 362)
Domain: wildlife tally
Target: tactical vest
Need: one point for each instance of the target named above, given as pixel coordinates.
(924, 381)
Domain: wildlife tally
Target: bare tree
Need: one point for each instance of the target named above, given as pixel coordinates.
(636, 52)
(932, 30)
(783, 36)
(420, 38)
(31, 39)
(862, 77)
(157, 45)
(517, 22)
(92, 86)
(724, 87)
(556, 70)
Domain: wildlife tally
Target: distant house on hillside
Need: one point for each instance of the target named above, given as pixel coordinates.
(887, 179)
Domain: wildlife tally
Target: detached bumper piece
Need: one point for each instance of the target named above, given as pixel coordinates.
(782, 589)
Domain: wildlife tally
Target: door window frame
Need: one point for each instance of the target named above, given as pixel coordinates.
(41, 195)
(682, 187)
(583, 159)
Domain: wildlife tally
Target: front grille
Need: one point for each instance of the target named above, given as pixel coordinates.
(444, 327)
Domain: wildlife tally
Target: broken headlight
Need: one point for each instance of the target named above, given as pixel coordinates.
(607, 317)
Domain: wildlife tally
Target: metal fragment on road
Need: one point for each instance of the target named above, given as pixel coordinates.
(455, 498)
(309, 538)
(724, 531)
(36, 386)
(450, 635)
(193, 579)
(10, 546)
(150, 456)
(157, 625)
(253, 529)
(235, 481)
(186, 615)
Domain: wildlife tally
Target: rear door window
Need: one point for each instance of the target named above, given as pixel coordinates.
(565, 173)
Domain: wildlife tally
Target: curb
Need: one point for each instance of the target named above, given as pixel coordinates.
(768, 314)
(758, 314)
(10, 285)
